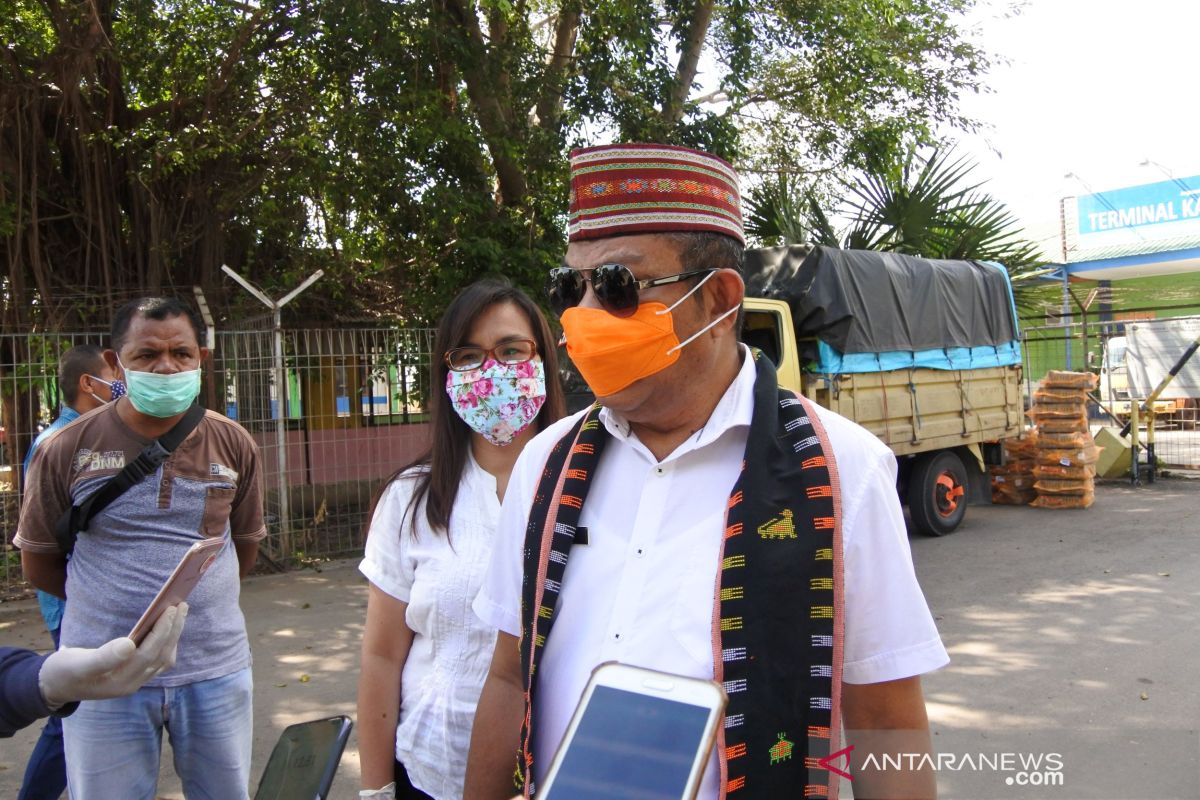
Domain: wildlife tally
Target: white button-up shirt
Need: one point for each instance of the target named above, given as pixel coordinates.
(437, 576)
(641, 590)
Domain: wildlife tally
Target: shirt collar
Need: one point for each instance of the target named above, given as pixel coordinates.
(734, 409)
(67, 413)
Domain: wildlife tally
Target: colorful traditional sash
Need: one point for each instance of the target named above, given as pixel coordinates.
(777, 615)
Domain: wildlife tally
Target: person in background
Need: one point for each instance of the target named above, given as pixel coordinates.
(34, 686)
(424, 653)
(209, 487)
(87, 382)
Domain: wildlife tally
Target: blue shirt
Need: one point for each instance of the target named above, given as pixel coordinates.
(21, 700)
(51, 606)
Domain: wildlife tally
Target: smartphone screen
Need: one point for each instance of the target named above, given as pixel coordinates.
(632, 745)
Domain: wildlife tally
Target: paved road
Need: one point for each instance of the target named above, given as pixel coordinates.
(1073, 634)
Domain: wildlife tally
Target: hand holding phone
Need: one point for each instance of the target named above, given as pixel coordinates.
(179, 585)
(114, 669)
(636, 733)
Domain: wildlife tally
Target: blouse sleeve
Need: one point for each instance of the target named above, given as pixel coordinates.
(387, 561)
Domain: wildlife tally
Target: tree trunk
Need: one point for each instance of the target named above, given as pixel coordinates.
(689, 60)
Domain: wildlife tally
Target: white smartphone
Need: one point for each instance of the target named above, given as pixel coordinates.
(636, 733)
(179, 585)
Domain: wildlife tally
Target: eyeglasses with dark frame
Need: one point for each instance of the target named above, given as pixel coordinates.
(614, 285)
(510, 351)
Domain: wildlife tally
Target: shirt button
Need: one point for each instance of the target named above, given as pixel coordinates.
(641, 551)
(660, 471)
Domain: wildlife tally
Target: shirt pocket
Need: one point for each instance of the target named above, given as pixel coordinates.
(218, 504)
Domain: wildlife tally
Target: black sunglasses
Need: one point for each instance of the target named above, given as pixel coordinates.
(614, 285)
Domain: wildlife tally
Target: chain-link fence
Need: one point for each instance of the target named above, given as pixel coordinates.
(1099, 346)
(28, 403)
(352, 412)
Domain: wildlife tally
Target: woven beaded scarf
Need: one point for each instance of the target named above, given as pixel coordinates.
(777, 611)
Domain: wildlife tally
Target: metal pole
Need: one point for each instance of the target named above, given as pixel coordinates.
(210, 341)
(285, 522)
(1132, 430)
(1151, 456)
(281, 393)
(1066, 313)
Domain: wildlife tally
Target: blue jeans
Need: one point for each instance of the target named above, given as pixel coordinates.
(46, 771)
(113, 746)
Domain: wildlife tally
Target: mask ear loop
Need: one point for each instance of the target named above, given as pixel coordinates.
(707, 327)
(97, 397)
(693, 290)
(703, 330)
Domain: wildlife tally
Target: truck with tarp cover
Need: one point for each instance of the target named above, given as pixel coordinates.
(923, 353)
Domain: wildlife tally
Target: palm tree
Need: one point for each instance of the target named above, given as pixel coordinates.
(918, 205)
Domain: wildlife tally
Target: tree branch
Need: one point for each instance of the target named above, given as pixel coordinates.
(689, 60)
(566, 30)
(482, 82)
(223, 77)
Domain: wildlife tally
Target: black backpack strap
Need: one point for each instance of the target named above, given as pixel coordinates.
(78, 517)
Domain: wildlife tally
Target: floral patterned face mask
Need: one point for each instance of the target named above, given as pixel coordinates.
(498, 401)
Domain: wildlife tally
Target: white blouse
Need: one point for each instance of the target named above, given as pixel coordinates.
(438, 577)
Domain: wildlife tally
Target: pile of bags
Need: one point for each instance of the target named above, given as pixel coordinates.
(1012, 484)
(1064, 469)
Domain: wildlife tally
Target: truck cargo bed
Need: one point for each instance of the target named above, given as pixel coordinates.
(919, 410)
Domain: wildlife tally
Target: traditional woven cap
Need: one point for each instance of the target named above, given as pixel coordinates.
(651, 188)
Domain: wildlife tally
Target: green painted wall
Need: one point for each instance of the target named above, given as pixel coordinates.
(1045, 348)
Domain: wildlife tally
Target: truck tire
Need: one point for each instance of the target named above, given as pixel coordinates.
(937, 492)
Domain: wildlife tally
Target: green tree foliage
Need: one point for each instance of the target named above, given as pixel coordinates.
(920, 204)
(407, 148)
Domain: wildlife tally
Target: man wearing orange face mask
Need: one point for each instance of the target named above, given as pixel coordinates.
(697, 520)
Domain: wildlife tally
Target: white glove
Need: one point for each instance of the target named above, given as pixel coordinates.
(382, 793)
(114, 669)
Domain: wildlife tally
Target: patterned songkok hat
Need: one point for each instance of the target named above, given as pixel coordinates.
(651, 188)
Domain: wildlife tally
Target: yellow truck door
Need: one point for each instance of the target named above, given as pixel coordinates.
(768, 326)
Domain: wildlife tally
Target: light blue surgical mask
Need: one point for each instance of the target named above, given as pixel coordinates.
(159, 395)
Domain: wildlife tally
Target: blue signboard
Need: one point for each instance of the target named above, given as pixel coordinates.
(1176, 200)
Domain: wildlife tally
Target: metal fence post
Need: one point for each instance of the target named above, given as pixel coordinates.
(281, 393)
(285, 515)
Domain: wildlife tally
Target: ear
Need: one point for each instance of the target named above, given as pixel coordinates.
(110, 358)
(727, 291)
(204, 354)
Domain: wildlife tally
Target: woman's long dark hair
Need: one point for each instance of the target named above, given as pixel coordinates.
(446, 457)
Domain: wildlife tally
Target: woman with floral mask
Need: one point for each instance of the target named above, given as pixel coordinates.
(425, 655)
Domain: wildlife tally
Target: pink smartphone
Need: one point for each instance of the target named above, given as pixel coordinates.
(187, 574)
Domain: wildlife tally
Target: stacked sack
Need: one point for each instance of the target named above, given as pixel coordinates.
(1012, 483)
(1065, 468)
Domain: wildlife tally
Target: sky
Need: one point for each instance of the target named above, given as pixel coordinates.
(1091, 87)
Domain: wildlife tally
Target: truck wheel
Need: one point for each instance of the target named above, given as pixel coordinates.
(937, 492)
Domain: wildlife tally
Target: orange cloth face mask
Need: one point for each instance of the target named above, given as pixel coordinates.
(614, 352)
